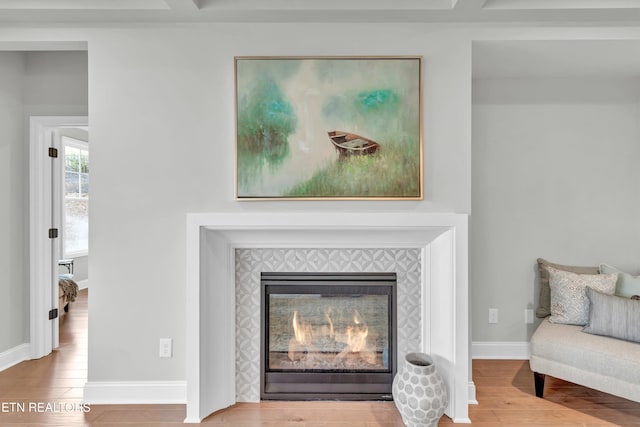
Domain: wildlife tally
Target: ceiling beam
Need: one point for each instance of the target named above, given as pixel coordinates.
(183, 4)
(562, 4)
(337, 5)
(39, 5)
(615, 12)
(468, 6)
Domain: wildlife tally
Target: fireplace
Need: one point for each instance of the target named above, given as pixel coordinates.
(328, 336)
(223, 323)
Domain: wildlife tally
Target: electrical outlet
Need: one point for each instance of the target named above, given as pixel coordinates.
(166, 347)
(493, 315)
(528, 315)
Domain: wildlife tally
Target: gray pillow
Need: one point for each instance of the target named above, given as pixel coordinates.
(544, 302)
(613, 316)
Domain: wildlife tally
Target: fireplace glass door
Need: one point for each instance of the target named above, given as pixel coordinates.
(328, 336)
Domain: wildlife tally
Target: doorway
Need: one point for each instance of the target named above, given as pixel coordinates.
(36, 79)
(46, 211)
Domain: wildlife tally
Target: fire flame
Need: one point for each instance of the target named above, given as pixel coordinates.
(354, 336)
(302, 330)
(357, 334)
(327, 315)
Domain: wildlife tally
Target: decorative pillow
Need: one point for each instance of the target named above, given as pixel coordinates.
(544, 302)
(613, 316)
(569, 302)
(627, 285)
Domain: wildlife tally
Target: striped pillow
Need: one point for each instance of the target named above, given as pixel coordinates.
(613, 316)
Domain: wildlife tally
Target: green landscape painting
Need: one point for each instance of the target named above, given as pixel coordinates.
(329, 128)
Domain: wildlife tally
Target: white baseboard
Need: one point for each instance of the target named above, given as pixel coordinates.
(83, 284)
(135, 392)
(472, 394)
(500, 350)
(14, 355)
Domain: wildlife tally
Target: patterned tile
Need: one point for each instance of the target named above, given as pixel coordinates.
(251, 262)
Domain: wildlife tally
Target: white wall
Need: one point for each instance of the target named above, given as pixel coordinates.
(161, 116)
(31, 83)
(555, 175)
(14, 222)
(56, 83)
(162, 138)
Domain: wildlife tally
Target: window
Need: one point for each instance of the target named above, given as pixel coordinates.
(76, 198)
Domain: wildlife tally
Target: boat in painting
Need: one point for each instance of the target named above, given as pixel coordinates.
(349, 144)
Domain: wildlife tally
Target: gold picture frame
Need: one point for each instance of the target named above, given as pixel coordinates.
(329, 128)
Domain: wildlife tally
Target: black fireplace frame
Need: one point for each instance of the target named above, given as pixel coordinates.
(312, 385)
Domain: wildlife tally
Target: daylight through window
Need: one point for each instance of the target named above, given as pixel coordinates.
(76, 197)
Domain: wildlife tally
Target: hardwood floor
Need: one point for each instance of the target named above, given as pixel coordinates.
(504, 390)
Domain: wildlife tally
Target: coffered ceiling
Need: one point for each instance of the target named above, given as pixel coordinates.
(464, 11)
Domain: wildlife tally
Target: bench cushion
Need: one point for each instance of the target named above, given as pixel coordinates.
(602, 363)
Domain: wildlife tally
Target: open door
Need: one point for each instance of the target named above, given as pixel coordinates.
(55, 157)
(45, 198)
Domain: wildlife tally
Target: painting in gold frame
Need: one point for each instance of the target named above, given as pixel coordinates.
(310, 128)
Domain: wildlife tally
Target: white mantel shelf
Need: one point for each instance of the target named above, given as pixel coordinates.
(211, 242)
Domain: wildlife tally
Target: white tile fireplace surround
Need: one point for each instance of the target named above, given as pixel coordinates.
(215, 239)
(250, 262)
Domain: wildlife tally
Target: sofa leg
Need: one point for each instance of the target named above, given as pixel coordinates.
(539, 383)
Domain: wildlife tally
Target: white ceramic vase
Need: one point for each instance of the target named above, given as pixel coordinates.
(419, 392)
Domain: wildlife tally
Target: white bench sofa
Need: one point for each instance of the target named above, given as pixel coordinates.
(602, 363)
(565, 351)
